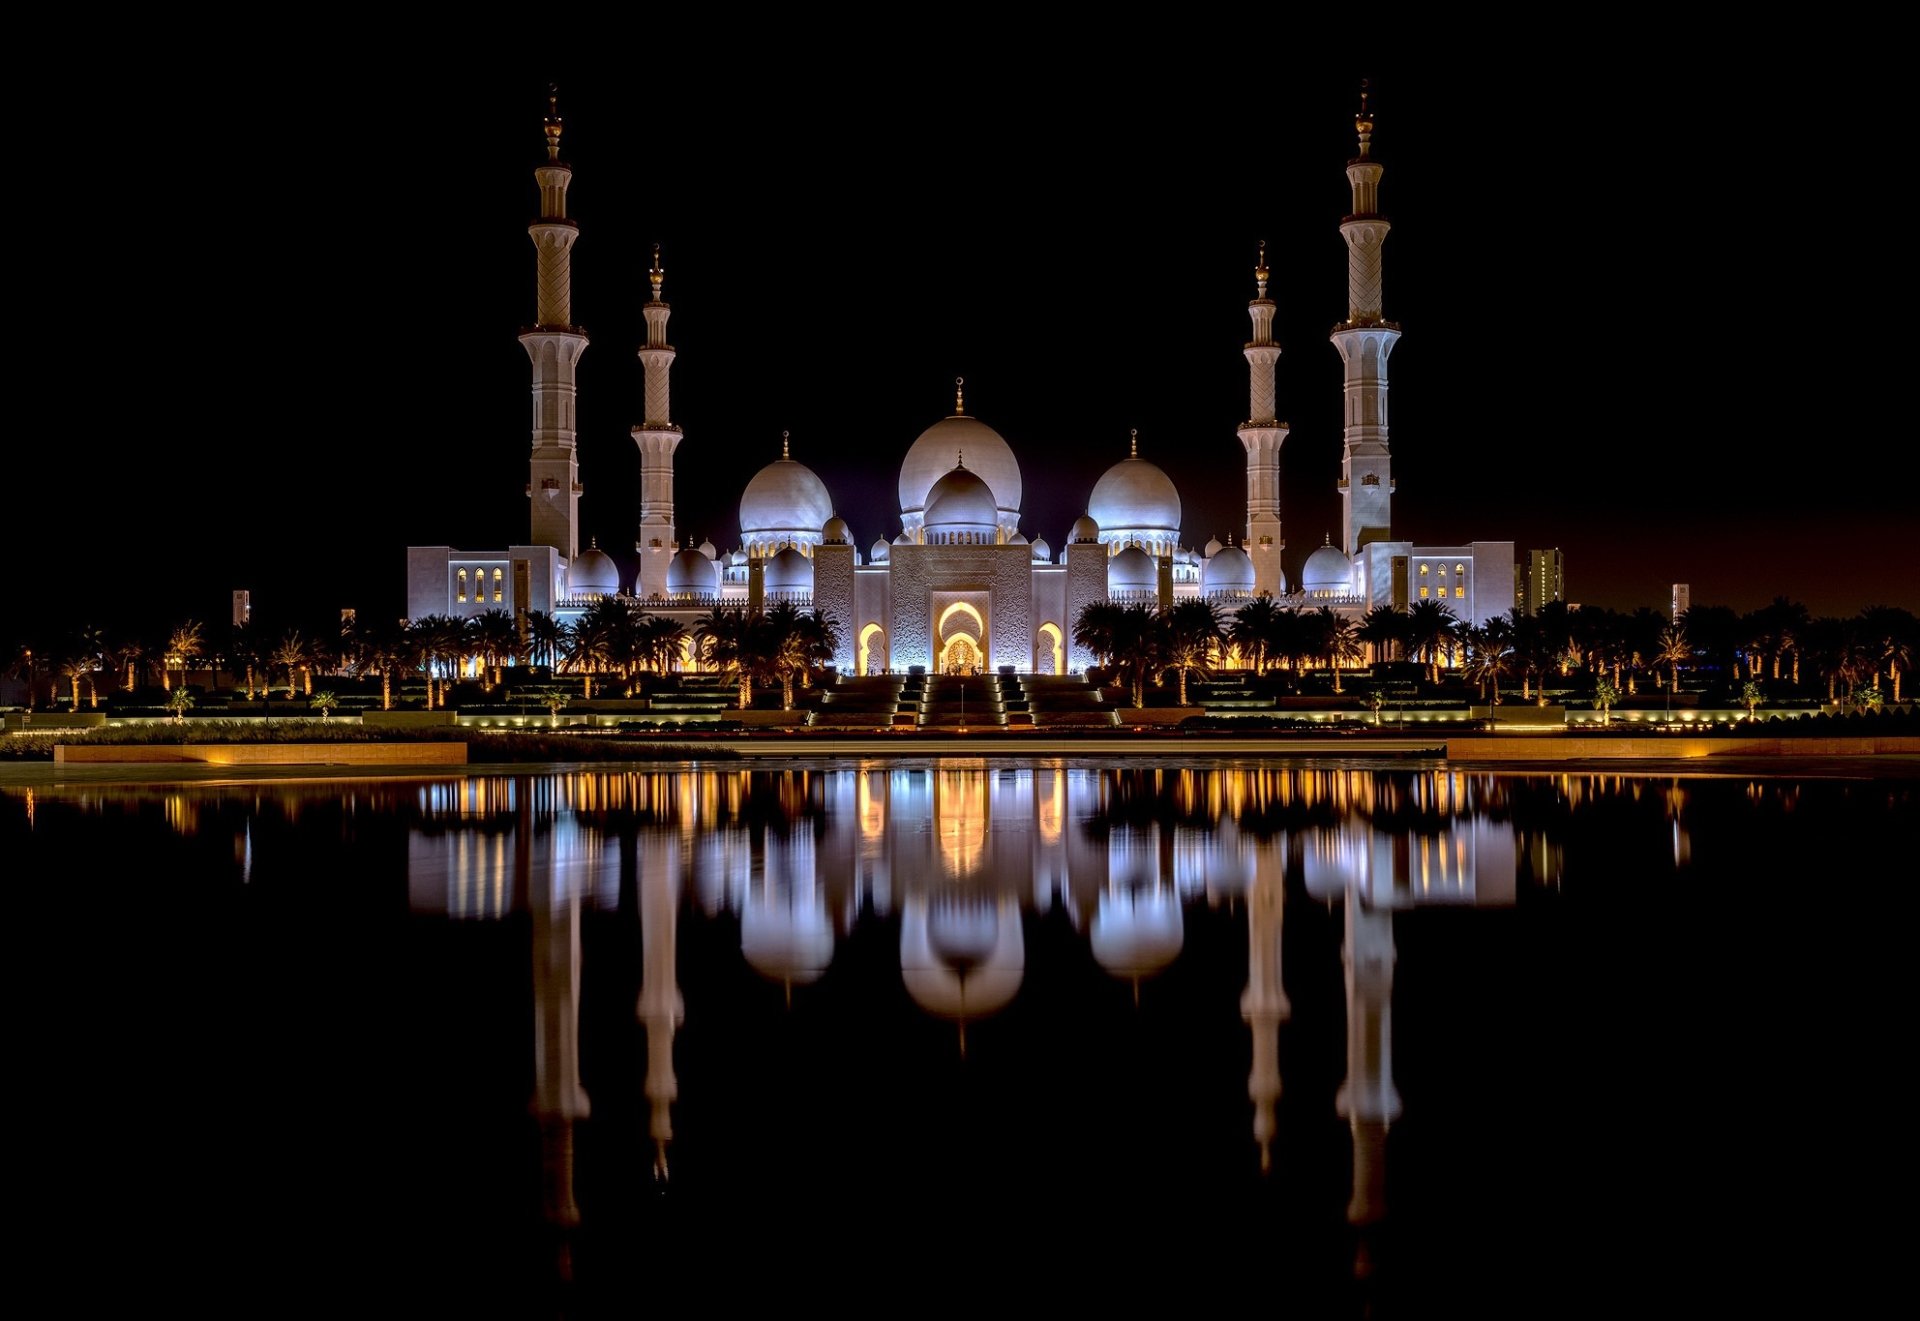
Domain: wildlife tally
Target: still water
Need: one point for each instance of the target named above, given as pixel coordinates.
(1390, 1042)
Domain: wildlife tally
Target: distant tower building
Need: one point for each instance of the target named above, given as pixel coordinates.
(657, 437)
(1263, 435)
(555, 345)
(1538, 579)
(242, 608)
(1365, 339)
(1682, 599)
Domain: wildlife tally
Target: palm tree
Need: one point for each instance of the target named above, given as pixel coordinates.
(1672, 650)
(662, 641)
(1138, 646)
(589, 647)
(1339, 641)
(291, 652)
(1251, 629)
(1751, 696)
(1192, 631)
(1430, 628)
(180, 700)
(1290, 639)
(74, 669)
(1888, 634)
(185, 643)
(729, 639)
(126, 657)
(1604, 696)
(323, 702)
(424, 637)
(1097, 629)
(1534, 654)
(1383, 628)
(1490, 654)
(544, 636)
(1640, 637)
(493, 636)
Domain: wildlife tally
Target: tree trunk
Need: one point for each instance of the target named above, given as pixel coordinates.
(1526, 685)
(1336, 680)
(1796, 669)
(1183, 685)
(1676, 678)
(306, 680)
(386, 689)
(786, 691)
(129, 684)
(166, 679)
(746, 691)
(93, 695)
(1895, 667)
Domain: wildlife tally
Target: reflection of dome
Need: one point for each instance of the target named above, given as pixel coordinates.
(835, 532)
(1135, 496)
(593, 574)
(689, 573)
(1137, 933)
(961, 502)
(1213, 547)
(784, 498)
(786, 941)
(1042, 552)
(789, 571)
(1327, 570)
(961, 957)
(1335, 861)
(1084, 529)
(1133, 570)
(1229, 569)
(942, 445)
(880, 553)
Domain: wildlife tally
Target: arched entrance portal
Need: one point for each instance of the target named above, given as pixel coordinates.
(1049, 651)
(960, 655)
(873, 651)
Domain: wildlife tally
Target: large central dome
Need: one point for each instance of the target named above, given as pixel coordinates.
(785, 502)
(954, 440)
(1134, 498)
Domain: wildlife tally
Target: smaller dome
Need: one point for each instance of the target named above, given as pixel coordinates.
(593, 573)
(961, 501)
(1017, 539)
(1327, 570)
(1135, 496)
(1213, 548)
(1229, 569)
(707, 548)
(789, 571)
(787, 497)
(880, 552)
(1084, 529)
(904, 539)
(737, 557)
(689, 573)
(835, 532)
(1042, 552)
(1132, 570)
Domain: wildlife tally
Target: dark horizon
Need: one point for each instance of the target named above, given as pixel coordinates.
(303, 314)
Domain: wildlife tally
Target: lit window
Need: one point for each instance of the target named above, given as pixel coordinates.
(1459, 568)
(1459, 591)
(462, 589)
(1423, 589)
(1423, 571)
(497, 585)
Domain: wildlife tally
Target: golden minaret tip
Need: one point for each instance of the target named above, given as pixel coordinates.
(1363, 122)
(959, 396)
(656, 275)
(783, 446)
(1260, 269)
(1133, 443)
(554, 122)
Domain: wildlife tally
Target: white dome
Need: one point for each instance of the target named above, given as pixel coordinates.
(689, 573)
(904, 539)
(1133, 570)
(1327, 570)
(835, 532)
(1042, 552)
(737, 557)
(880, 553)
(953, 440)
(1084, 529)
(708, 549)
(961, 501)
(1137, 933)
(1229, 569)
(1213, 548)
(784, 498)
(1017, 539)
(785, 941)
(789, 571)
(593, 573)
(1135, 496)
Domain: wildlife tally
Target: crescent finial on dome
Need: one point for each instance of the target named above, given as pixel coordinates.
(959, 396)
(554, 124)
(656, 275)
(1363, 122)
(1133, 443)
(1260, 270)
(784, 436)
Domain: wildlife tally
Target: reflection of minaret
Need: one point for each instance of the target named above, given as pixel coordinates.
(1264, 1004)
(661, 1009)
(1367, 1099)
(558, 1100)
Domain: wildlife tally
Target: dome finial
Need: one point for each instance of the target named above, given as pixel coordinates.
(656, 274)
(1363, 122)
(1133, 446)
(784, 437)
(553, 123)
(1260, 269)
(959, 396)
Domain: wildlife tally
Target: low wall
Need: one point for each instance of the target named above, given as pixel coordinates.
(1632, 747)
(28, 721)
(408, 719)
(1160, 715)
(266, 754)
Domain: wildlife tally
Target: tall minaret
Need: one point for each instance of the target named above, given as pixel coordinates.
(555, 345)
(656, 437)
(1262, 436)
(1364, 340)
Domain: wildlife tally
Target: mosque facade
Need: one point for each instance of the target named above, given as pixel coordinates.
(961, 586)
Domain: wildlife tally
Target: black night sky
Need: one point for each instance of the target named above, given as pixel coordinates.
(1638, 307)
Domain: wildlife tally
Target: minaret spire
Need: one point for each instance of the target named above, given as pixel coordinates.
(1365, 339)
(554, 344)
(959, 396)
(657, 438)
(1262, 435)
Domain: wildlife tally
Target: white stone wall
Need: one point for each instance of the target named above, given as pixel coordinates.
(1005, 573)
(833, 598)
(1086, 583)
(873, 604)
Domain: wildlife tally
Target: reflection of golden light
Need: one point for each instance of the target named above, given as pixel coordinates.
(1052, 809)
(960, 819)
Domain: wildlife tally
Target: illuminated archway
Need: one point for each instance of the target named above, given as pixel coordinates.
(962, 608)
(1051, 646)
(960, 654)
(869, 654)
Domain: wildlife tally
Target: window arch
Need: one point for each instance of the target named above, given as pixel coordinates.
(460, 591)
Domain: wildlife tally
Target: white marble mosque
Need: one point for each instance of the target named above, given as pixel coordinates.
(951, 580)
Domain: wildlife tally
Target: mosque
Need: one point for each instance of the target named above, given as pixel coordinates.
(961, 586)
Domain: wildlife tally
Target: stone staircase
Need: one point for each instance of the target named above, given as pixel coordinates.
(1062, 700)
(692, 698)
(867, 702)
(949, 702)
(1227, 696)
